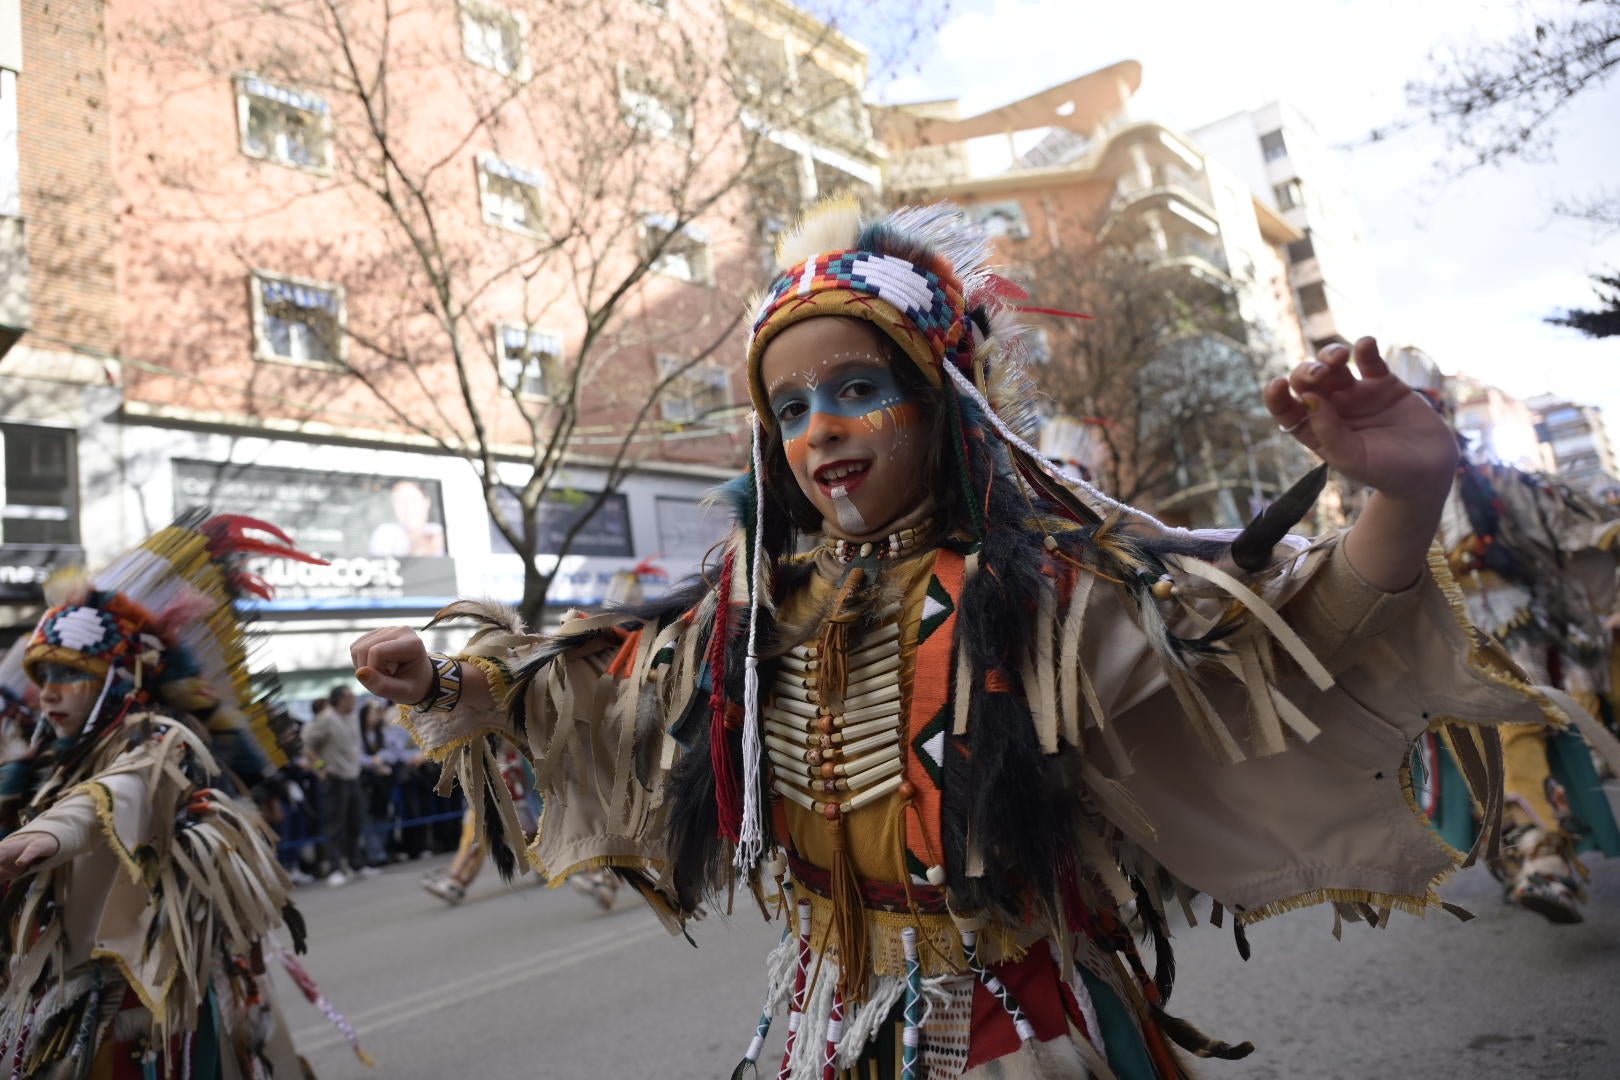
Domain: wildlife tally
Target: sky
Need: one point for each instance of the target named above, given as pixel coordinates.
(1467, 266)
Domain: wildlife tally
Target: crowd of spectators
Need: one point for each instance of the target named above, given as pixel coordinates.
(360, 796)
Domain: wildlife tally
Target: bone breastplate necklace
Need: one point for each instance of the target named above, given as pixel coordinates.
(832, 729)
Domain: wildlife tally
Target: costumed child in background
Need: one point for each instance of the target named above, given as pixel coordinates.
(1538, 567)
(946, 711)
(452, 883)
(140, 885)
(18, 720)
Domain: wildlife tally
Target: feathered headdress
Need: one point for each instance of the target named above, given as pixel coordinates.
(161, 621)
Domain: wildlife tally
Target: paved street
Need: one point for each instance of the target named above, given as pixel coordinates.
(539, 983)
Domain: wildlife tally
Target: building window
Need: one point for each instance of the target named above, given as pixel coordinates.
(1301, 249)
(529, 360)
(1289, 195)
(513, 198)
(1002, 220)
(298, 321)
(1272, 145)
(494, 37)
(651, 108)
(1313, 299)
(696, 393)
(832, 105)
(685, 250)
(39, 486)
(285, 126)
(10, 165)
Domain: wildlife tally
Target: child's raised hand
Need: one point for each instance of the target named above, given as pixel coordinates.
(1373, 429)
(393, 663)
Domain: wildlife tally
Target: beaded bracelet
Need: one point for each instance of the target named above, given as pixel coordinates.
(445, 692)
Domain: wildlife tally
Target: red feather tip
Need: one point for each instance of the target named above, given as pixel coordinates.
(1004, 288)
(227, 535)
(244, 582)
(1059, 312)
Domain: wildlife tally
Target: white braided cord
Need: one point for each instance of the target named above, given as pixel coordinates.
(751, 843)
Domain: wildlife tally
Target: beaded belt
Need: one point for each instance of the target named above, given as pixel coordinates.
(876, 895)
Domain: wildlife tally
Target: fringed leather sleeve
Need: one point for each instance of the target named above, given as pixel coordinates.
(590, 707)
(1250, 733)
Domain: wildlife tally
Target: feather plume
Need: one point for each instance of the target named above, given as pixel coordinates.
(489, 617)
(828, 226)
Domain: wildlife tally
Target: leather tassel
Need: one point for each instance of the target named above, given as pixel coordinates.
(848, 918)
(833, 649)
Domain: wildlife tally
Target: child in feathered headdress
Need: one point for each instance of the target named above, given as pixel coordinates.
(950, 711)
(139, 884)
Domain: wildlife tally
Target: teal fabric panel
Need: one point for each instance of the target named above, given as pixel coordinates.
(1127, 1054)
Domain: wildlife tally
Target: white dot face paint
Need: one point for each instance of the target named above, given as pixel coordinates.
(852, 434)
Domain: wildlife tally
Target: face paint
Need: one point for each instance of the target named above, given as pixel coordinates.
(66, 696)
(851, 432)
(848, 514)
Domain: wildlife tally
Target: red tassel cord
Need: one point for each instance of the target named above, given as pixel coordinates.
(722, 756)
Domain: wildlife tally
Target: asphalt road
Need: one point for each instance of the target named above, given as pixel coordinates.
(539, 983)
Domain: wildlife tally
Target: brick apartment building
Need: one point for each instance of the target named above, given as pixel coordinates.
(257, 265)
(1066, 173)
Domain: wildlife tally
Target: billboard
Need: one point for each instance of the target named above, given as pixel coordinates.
(383, 536)
(606, 534)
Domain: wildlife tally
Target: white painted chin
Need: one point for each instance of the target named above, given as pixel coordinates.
(848, 515)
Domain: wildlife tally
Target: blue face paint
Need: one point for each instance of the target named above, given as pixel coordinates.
(851, 393)
(61, 674)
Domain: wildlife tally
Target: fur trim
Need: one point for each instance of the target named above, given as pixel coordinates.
(830, 226)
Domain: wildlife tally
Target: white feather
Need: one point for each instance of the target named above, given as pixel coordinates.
(828, 226)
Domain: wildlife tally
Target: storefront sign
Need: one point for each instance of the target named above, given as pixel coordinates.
(24, 568)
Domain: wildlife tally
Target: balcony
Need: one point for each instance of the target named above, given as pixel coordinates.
(1305, 272)
(15, 312)
(1163, 180)
(1321, 326)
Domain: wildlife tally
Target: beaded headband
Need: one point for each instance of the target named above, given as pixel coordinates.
(90, 638)
(915, 307)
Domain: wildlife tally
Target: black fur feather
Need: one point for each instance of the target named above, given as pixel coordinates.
(294, 920)
(1196, 1042)
(697, 855)
(1164, 957)
(1252, 549)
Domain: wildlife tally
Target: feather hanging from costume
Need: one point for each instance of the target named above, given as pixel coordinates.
(1252, 549)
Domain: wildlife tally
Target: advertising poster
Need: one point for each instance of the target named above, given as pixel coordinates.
(607, 533)
(599, 565)
(383, 536)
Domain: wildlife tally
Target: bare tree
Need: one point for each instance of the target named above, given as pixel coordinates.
(1166, 374)
(476, 169)
(1502, 99)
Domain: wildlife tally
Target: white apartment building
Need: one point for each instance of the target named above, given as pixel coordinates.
(1290, 168)
(1580, 443)
(1032, 170)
